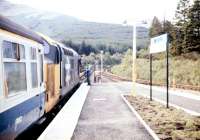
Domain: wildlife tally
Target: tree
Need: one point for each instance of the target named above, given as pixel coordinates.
(181, 14)
(156, 28)
(177, 41)
(179, 31)
(168, 28)
(192, 32)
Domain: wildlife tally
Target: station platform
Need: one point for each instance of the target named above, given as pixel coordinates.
(63, 125)
(96, 112)
(105, 116)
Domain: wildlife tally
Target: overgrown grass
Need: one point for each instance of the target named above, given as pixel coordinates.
(125, 68)
(168, 124)
(181, 70)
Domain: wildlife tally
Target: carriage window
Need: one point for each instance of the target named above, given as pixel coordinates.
(13, 50)
(34, 71)
(22, 51)
(34, 76)
(33, 53)
(9, 50)
(14, 72)
(41, 67)
(14, 68)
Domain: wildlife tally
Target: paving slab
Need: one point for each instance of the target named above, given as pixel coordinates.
(106, 117)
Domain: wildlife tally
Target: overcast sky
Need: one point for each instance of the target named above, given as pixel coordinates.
(110, 11)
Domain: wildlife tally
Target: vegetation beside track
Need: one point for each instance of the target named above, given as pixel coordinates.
(168, 124)
(184, 71)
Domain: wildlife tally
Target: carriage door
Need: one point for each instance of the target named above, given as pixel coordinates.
(52, 77)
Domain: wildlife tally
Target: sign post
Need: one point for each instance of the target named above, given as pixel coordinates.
(160, 44)
(167, 73)
(150, 77)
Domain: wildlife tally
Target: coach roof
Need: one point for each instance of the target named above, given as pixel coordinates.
(11, 26)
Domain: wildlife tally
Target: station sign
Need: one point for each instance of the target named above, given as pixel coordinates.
(158, 44)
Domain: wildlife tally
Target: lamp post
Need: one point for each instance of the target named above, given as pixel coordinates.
(101, 64)
(134, 74)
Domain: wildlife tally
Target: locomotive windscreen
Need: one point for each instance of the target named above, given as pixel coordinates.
(54, 55)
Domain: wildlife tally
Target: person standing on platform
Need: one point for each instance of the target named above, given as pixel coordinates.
(87, 74)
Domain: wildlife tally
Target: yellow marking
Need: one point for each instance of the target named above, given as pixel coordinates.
(57, 79)
(52, 80)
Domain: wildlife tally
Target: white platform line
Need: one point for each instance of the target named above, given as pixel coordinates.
(191, 112)
(149, 130)
(99, 99)
(181, 93)
(64, 124)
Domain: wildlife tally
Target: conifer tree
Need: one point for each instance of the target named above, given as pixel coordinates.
(178, 35)
(156, 28)
(181, 14)
(192, 32)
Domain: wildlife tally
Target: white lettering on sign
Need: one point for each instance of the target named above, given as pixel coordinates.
(158, 44)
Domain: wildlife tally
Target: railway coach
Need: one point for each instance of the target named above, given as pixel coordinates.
(22, 91)
(36, 72)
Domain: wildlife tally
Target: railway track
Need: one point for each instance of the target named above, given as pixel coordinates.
(117, 78)
(186, 87)
(113, 77)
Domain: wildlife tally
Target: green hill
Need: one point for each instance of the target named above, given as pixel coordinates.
(63, 27)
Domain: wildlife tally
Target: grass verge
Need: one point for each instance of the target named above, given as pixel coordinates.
(168, 124)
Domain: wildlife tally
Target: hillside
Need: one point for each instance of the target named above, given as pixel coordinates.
(63, 27)
(182, 69)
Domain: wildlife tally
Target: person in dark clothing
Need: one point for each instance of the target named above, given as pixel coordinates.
(87, 74)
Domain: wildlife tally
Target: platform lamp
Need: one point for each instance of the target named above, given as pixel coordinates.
(101, 64)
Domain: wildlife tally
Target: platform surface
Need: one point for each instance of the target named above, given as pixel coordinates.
(106, 117)
(189, 100)
(63, 125)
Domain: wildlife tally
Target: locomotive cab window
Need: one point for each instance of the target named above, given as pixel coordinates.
(72, 63)
(14, 68)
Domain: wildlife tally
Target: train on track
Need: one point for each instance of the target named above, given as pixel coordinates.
(35, 73)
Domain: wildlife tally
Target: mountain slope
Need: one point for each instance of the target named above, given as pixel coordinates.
(63, 27)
